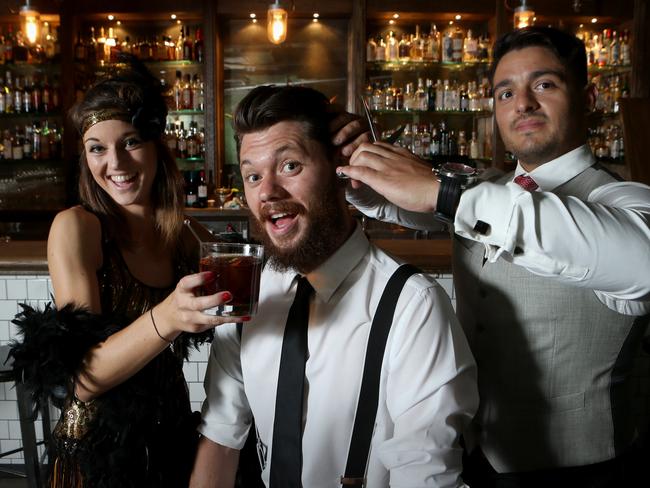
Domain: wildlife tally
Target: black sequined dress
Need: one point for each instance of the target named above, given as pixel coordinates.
(142, 433)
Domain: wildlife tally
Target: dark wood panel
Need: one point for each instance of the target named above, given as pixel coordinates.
(635, 113)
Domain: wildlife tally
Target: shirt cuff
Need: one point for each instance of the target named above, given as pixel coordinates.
(486, 213)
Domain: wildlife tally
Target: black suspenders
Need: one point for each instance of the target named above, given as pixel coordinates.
(364, 420)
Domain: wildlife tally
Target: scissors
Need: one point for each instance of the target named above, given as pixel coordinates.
(373, 131)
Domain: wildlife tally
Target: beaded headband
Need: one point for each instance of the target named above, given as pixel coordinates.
(105, 114)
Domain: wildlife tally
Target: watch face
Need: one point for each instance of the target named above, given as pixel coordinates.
(457, 169)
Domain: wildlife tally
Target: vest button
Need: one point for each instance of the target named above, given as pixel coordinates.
(482, 292)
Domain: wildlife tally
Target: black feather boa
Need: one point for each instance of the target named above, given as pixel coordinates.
(52, 346)
(144, 434)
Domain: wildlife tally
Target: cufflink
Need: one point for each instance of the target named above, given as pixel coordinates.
(482, 227)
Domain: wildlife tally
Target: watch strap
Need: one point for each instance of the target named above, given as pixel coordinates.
(448, 197)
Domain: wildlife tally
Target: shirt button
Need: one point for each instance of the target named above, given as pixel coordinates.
(482, 292)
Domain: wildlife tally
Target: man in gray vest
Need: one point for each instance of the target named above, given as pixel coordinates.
(551, 269)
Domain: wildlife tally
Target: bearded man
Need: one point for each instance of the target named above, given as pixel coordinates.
(426, 378)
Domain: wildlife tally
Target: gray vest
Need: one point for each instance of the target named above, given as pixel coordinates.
(553, 361)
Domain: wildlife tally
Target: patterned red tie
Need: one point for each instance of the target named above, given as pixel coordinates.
(526, 182)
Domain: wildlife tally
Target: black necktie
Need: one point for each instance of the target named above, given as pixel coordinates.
(286, 450)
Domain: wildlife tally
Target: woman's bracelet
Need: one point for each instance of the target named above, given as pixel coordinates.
(156, 327)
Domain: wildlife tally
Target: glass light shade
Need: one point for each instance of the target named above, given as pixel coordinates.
(523, 16)
(30, 23)
(277, 24)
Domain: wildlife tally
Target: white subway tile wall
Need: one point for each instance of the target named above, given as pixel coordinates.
(37, 291)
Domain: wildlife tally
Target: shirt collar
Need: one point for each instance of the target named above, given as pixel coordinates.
(558, 171)
(328, 276)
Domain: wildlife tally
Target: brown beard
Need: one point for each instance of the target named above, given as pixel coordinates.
(327, 228)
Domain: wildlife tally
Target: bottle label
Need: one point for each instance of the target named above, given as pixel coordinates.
(191, 199)
(203, 191)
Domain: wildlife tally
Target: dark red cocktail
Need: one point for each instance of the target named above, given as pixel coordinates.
(237, 268)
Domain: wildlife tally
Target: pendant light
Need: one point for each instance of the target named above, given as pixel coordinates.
(276, 23)
(524, 15)
(29, 22)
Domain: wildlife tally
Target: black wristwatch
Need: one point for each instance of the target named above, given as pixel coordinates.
(453, 178)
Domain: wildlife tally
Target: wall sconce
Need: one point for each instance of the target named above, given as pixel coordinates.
(277, 23)
(30, 22)
(524, 15)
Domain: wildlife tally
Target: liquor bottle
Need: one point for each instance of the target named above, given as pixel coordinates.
(36, 140)
(21, 53)
(625, 48)
(101, 43)
(463, 148)
(443, 136)
(2, 53)
(382, 50)
(416, 53)
(191, 141)
(2, 96)
(447, 46)
(9, 94)
(474, 146)
(431, 95)
(409, 97)
(484, 48)
(603, 48)
(46, 103)
(6, 145)
(170, 138)
(389, 97)
(614, 50)
(181, 143)
(453, 144)
(198, 93)
(470, 48)
(190, 189)
(16, 145)
(9, 45)
(27, 95)
(113, 45)
(392, 47)
(18, 95)
(404, 49)
(425, 136)
(186, 94)
(457, 45)
(178, 48)
(434, 149)
(187, 45)
(440, 100)
(371, 50)
(178, 91)
(27, 143)
(464, 99)
(420, 96)
(79, 49)
(45, 141)
(198, 46)
(377, 100)
(50, 41)
(399, 99)
(202, 191)
(432, 52)
(91, 47)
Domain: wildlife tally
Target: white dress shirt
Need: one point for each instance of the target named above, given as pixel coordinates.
(427, 392)
(600, 243)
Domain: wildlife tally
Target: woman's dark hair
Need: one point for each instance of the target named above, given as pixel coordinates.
(268, 105)
(135, 95)
(568, 49)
